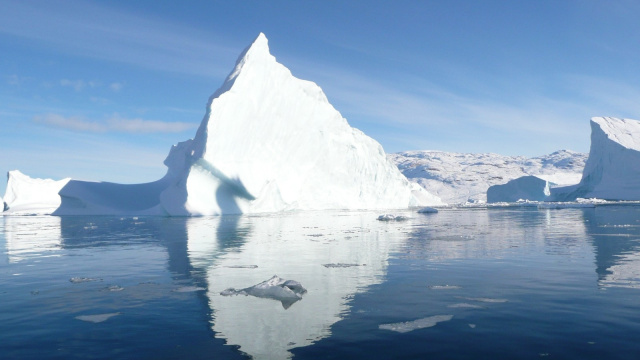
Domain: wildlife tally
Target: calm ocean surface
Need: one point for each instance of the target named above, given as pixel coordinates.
(514, 283)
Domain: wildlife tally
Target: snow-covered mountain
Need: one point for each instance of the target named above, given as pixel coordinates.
(461, 177)
(612, 171)
(268, 142)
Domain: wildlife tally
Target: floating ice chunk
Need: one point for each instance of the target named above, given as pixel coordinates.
(488, 300)
(341, 265)
(77, 280)
(444, 287)
(285, 291)
(113, 288)
(242, 266)
(185, 289)
(391, 217)
(473, 326)
(428, 210)
(464, 306)
(407, 326)
(98, 318)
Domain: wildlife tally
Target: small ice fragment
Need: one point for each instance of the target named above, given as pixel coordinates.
(114, 288)
(488, 300)
(341, 265)
(427, 210)
(77, 280)
(407, 326)
(444, 287)
(242, 266)
(591, 342)
(390, 217)
(185, 289)
(285, 291)
(97, 318)
(473, 326)
(464, 306)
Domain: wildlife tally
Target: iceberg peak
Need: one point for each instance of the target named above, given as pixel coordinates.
(268, 142)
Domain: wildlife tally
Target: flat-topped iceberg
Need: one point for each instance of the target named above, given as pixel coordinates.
(268, 142)
(612, 171)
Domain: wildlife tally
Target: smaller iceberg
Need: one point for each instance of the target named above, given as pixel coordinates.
(277, 288)
(525, 187)
(391, 217)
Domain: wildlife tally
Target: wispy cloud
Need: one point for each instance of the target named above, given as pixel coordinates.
(116, 86)
(115, 123)
(98, 31)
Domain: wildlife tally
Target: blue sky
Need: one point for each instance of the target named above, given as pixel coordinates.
(100, 90)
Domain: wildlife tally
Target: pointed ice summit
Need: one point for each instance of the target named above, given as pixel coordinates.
(268, 142)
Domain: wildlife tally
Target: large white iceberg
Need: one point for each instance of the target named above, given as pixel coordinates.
(612, 171)
(268, 142)
(26, 195)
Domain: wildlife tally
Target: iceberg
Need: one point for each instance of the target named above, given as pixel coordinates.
(269, 142)
(464, 178)
(523, 188)
(612, 171)
(26, 195)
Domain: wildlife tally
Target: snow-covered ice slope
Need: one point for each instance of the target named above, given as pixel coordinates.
(460, 177)
(612, 171)
(25, 195)
(268, 142)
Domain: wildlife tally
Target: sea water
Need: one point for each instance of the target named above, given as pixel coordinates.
(522, 283)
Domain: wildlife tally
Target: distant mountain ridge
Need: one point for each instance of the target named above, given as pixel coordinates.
(465, 177)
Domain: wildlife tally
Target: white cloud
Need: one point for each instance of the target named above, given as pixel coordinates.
(115, 87)
(114, 124)
(77, 85)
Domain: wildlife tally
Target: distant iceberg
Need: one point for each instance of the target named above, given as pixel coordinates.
(268, 142)
(523, 188)
(459, 178)
(612, 170)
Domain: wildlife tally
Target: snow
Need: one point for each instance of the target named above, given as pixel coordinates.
(268, 142)
(26, 195)
(527, 187)
(461, 177)
(612, 171)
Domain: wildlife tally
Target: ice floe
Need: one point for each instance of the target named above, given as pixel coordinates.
(98, 318)
(403, 327)
(277, 288)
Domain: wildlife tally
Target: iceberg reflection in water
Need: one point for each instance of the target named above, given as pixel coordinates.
(294, 246)
(150, 287)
